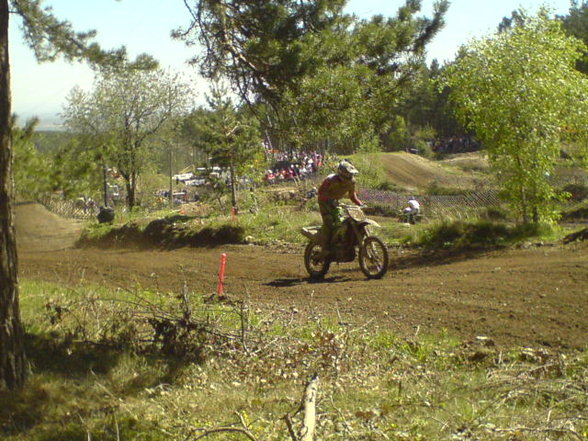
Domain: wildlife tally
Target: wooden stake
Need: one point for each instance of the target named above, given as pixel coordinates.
(306, 432)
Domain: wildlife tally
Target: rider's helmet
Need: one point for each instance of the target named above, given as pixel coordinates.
(346, 170)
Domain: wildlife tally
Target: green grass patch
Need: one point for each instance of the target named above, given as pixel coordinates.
(373, 383)
(481, 234)
(270, 224)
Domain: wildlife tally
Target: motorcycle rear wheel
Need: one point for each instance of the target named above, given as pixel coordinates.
(373, 258)
(316, 264)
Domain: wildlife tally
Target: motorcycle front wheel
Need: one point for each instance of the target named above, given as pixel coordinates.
(317, 265)
(373, 258)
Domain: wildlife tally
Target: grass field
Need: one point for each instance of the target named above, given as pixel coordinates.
(228, 372)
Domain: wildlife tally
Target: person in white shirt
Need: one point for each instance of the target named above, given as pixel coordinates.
(413, 209)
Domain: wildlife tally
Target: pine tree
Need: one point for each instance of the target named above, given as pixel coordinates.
(49, 38)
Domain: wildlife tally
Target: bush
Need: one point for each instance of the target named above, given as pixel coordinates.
(577, 212)
(172, 231)
(424, 149)
(494, 214)
(578, 192)
(380, 210)
(463, 235)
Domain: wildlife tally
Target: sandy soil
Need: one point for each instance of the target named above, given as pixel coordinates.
(536, 296)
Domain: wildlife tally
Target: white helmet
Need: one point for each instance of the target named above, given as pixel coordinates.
(346, 170)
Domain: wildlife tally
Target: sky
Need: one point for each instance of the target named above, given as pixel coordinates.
(144, 26)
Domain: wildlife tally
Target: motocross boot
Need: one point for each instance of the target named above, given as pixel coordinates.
(324, 240)
(337, 239)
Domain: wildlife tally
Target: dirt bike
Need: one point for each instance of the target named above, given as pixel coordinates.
(354, 238)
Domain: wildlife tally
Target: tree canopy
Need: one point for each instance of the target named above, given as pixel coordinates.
(123, 113)
(229, 135)
(521, 94)
(576, 24)
(318, 72)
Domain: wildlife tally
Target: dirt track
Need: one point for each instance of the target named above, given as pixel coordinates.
(528, 297)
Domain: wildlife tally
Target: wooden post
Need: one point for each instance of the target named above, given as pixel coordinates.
(171, 183)
(306, 432)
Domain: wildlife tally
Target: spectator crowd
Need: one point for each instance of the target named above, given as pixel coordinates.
(456, 144)
(292, 165)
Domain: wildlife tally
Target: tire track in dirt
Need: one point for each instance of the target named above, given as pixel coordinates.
(536, 296)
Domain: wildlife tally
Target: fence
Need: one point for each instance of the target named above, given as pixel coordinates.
(70, 209)
(435, 205)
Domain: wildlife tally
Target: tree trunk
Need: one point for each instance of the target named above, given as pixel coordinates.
(524, 209)
(233, 189)
(105, 183)
(12, 358)
(171, 178)
(130, 193)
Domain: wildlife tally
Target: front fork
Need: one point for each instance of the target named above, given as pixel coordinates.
(361, 232)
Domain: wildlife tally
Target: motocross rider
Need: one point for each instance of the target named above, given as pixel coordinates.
(335, 186)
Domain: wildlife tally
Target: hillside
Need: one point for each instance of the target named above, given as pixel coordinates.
(415, 173)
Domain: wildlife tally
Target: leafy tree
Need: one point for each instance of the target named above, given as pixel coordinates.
(75, 170)
(48, 141)
(321, 73)
(576, 24)
(230, 136)
(517, 18)
(65, 167)
(331, 106)
(49, 38)
(518, 90)
(190, 135)
(426, 108)
(126, 109)
(258, 46)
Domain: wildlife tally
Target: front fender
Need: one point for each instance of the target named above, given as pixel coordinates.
(311, 233)
(367, 222)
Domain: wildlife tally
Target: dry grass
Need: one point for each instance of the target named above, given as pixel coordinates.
(373, 385)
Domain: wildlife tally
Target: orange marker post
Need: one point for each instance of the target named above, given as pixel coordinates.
(221, 275)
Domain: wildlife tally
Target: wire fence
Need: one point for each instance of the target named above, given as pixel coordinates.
(70, 209)
(456, 205)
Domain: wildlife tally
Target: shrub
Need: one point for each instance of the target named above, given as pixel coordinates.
(375, 209)
(424, 149)
(578, 192)
(494, 214)
(463, 235)
(576, 213)
(171, 231)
